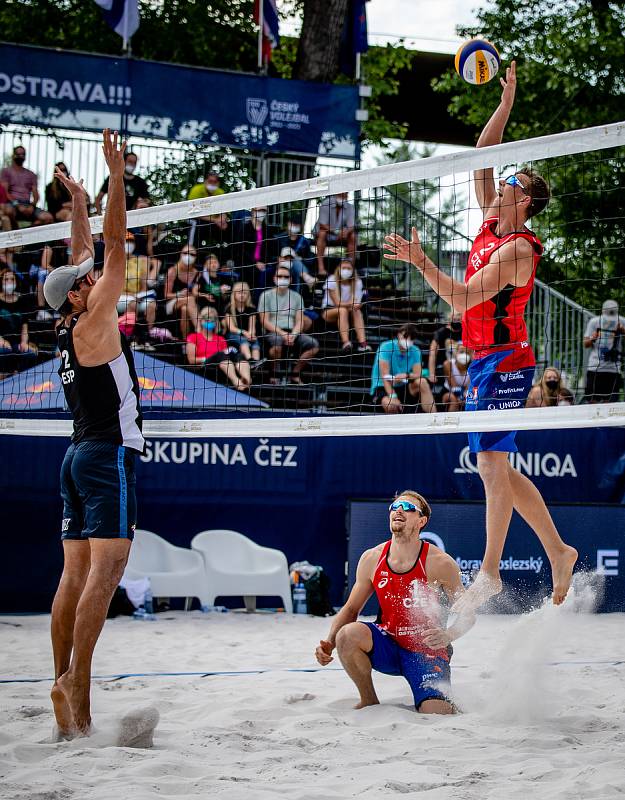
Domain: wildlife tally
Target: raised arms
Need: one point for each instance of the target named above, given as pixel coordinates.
(82, 240)
(493, 134)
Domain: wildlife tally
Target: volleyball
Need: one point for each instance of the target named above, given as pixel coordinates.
(477, 61)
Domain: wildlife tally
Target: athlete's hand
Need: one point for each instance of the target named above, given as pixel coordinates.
(323, 653)
(73, 187)
(435, 638)
(403, 250)
(113, 155)
(508, 85)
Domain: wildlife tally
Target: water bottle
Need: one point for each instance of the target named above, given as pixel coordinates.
(146, 611)
(149, 606)
(299, 598)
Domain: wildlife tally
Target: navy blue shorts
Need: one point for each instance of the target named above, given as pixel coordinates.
(98, 491)
(490, 390)
(428, 676)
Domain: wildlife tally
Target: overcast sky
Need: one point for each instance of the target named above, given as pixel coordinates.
(426, 25)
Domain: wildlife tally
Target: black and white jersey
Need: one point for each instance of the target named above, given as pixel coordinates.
(104, 400)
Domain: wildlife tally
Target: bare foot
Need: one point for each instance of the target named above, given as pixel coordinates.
(562, 573)
(365, 703)
(63, 715)
(136, 728)
(77, 698)
(483, 588)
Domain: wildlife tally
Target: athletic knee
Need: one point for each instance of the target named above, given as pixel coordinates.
(354, 636)
(493, 467)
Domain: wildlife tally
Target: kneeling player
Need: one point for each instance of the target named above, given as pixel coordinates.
(407, 574)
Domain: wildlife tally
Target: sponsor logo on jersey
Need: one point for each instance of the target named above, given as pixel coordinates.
(382, 583)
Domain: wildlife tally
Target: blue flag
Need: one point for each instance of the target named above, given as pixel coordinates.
(354, 38)
(122, 16)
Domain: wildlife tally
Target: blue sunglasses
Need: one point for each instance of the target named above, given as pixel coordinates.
(512, 180)
(405, 506)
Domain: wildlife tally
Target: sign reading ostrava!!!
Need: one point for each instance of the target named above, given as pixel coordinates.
(60, 89)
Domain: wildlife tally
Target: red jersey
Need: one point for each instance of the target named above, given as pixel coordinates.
(499, 323)
(408, 605)
(205, 348)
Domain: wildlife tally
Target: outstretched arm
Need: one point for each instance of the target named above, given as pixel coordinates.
(447, 575)
(107, 290)
(510, 265)
(493, 134)
(82, 240)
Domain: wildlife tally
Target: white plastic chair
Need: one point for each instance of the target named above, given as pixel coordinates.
(235, 565)
(173, 571)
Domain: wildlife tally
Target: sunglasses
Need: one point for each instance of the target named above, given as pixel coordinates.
(512, 180)
(405, 506)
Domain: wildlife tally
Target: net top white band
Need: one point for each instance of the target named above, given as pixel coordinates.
(559, 144)
(584, 416)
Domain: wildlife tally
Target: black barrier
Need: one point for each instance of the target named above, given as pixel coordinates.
(458, 528)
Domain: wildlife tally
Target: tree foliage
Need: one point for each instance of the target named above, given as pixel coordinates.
(571, 74)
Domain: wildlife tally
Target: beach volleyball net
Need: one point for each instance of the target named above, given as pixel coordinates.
(215, 336)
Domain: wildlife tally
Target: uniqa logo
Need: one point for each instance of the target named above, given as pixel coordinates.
(549, 465)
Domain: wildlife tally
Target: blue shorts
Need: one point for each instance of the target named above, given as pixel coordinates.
(98, 491)
(428, 676)
(490, 390)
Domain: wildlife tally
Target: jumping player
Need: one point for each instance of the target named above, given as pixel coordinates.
(97, 476)
(498, 284)
(407, 574)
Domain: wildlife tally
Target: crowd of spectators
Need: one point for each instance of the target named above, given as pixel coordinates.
(232, 293)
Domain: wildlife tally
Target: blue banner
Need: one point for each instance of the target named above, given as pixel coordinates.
(61, 89)
(293, 494)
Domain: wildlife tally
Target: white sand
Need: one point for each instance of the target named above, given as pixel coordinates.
(530, 731)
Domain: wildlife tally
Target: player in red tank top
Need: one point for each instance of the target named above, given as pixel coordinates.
(498, 283)
(407, 574)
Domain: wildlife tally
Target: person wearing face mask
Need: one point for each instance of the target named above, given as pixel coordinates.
(342, 303)
(134, 185)
(281, 315)
(58, 197)
(20, 185)
(300, 248)
(440, 351)
(139, 297)
(214, 285)
(550, 391)
(336, 226)
(255, 249)
(181, 291)
(209, 186)
(16, 350)
(604, 337)
(456, 371)
(396, 378)
(207, 348)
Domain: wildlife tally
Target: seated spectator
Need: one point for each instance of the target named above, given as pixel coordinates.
(456, 372)
(7, 212)
(144, 236)
(20, 185)
(207, 348)
(212, 235)
(550, 391)
(299, 247)
(16, 350)
(134, 185)
(139, 294)
(214, 286)
(336, 225)
(604, 336)
(208, 187)
(240, 323)
(396, 379)
(281, 315)
(181, 291)
(342, 300)
(440, 351)
(58, 198)
(255, 249)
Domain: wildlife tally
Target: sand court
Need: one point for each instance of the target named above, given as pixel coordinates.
(543, 697)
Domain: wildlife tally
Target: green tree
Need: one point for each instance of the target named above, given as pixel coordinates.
(571, 70)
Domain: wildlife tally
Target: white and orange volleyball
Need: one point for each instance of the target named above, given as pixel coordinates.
(477, 61)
